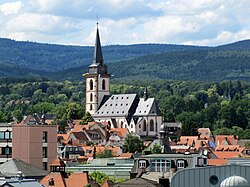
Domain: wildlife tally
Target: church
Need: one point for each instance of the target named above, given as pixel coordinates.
(139, 115)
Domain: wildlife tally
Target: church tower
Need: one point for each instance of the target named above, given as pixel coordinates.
(97, 79)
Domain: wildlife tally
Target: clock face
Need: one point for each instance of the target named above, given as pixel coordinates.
(213, 180)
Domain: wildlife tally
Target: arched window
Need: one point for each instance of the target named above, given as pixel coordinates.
(152, 125)
(122, 124)
(91, 97)
(144, 125)
(91, 107)
(103, 84)
(91, 85)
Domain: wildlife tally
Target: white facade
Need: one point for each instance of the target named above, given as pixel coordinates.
(96, 88)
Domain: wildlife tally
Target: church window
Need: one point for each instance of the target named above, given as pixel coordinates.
(91, 107)
(122, 124)
(103, 84)
(151, 125)
(91, 85)
(91, 97)
(132, 126)
(144, 125)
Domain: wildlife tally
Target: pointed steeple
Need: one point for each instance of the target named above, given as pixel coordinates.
(98, 59)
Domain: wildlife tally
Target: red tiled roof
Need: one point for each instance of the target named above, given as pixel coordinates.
(121, 132)
(64, 136)
(126, 155)
(217, 162)
(57, 162)
(72, 180)
(226, 154)
(115, 150)
(56, 177)
(187, 140)
(230, 139)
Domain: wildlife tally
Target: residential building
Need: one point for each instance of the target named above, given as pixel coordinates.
(34, 142)
(12, 167)
(139, 115)
(5, 142)
(166, 162)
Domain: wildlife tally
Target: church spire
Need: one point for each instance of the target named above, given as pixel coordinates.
(98, 59)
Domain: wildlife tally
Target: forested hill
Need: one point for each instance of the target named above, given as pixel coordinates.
(139, 61)
(51, 57)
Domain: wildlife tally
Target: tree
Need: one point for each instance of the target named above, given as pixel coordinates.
(106, 153)
(156, 149)
(132, 144)
(190, 123)
(87, 118)
(99, 177)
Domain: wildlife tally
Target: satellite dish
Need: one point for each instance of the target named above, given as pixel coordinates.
(205, 152)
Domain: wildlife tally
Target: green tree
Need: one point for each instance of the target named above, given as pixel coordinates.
(87, 118)
(157, 149)
(99, 177)
(132, 144)
(106, 153)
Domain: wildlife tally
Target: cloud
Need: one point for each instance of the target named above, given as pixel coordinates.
(10, 8)
(203, 22)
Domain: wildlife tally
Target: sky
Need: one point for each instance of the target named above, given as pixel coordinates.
(73, 22)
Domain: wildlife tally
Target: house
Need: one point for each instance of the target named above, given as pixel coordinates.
(140, 115)
(59, 178)
(6, 142)
(166, 162)
(13, 166)
(19, 182)
(117, 136)
(174, 130)
(226, 140)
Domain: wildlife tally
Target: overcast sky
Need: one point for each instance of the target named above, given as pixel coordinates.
(194, 22)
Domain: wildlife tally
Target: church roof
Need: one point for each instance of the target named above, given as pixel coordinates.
(117, 105)
(147, 107)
